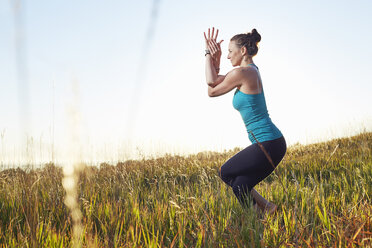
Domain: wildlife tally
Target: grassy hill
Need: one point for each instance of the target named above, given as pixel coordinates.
(323, 192)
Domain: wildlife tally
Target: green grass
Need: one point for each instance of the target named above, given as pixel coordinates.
(177, 201)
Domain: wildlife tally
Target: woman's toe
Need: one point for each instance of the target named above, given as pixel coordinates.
(272, 209)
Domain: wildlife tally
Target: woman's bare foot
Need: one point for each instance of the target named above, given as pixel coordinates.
(258, 210)
(271, 208)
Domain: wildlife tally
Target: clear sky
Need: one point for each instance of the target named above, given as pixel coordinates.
(314, 60)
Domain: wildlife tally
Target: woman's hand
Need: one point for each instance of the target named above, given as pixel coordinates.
(213, 46)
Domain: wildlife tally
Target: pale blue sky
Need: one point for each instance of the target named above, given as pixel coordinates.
(314, 60)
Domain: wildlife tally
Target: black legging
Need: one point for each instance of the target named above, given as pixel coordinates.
(250, 166)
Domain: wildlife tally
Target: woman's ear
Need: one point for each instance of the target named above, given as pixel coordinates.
(243, 50)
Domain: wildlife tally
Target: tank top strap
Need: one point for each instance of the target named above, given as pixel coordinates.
(259, 74)
(253, 65)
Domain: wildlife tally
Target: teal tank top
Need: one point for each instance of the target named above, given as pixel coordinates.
(252, 108)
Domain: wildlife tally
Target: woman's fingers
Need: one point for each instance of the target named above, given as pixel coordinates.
(214, 37)
(213, 51)
(206, 40)
(211, 39)
(213, 46)
(210, 48)
(214, 43)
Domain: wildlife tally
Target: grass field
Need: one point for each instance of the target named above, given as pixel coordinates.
(177, 201)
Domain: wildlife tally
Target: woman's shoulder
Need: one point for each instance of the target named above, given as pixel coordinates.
(249, 70)
(244, 74)
(236, 73)
(242, 71)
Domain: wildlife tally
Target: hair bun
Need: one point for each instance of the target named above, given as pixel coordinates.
(256, 37)
(248, 40)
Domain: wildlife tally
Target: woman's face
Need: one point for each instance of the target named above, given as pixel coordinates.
(234, 55)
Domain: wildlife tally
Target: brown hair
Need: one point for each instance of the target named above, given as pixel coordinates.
(248, 40)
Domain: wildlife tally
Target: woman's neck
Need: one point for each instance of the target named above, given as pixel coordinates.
(245, 62)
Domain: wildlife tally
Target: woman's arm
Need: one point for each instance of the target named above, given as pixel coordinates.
(218, 84)
(211, 75)
(210, 71)
(219, 80)
(230, 81)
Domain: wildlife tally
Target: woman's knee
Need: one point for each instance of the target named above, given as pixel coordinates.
(222, 174)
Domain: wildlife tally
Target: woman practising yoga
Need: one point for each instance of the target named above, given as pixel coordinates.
(251, 165)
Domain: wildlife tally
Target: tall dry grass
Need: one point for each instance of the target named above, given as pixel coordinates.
(177, 201)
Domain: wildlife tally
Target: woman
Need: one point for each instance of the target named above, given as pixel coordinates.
(254, 163)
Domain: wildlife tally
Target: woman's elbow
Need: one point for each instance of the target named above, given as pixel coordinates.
(211, 84)
(211, 93)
